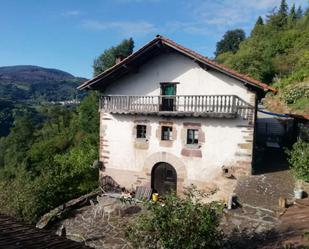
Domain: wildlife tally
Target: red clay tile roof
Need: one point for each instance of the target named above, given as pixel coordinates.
(188, 52)
(15, 235)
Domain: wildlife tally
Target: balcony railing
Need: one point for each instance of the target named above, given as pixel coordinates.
(228, 106)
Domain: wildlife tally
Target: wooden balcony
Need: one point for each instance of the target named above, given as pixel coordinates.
(217, 106)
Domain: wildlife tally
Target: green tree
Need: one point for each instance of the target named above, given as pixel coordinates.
(259, 21)
(292, 16)
(43, 166)
(258, 24)
(278, 55)
(299, 160)
(230, 41)
(299, 12)
(108, 58)
(283, 9)
(279, 19)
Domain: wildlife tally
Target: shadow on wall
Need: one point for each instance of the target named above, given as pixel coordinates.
(150, 74)
(273, 136)
(214, 122)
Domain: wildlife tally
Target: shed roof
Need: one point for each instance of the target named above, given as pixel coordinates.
(15, 235)
(159, 45)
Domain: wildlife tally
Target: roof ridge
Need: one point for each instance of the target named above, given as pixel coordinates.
(243, 77)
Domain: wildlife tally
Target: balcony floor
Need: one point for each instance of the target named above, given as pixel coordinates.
(180, 114)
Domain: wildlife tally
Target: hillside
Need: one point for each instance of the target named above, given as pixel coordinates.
(277, 52)
(38, 84)
(26, 88)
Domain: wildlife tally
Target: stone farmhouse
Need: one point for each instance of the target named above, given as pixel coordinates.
(170, 117)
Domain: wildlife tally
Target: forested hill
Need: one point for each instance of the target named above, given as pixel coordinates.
(38, 84)
(276, 52)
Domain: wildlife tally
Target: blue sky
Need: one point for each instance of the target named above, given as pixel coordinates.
(69, 34)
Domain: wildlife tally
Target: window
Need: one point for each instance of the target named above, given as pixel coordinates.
(168, 89)
(168, 92)
(166, 133)
(192, 136)
(141, 131)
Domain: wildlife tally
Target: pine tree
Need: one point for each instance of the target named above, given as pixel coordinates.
(292, 16)
(299, 13)
(283, 13)
(259, 21)
(258, 24)
(279, 19)
(283, 9)
(307, 12)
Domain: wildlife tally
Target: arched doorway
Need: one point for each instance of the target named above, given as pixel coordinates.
(163, 178)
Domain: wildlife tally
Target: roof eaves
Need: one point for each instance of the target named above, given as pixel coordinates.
(94, 80)
(244, 78)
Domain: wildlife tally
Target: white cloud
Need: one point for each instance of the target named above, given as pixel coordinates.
(126, 28)
(216, 16)
(69, 13)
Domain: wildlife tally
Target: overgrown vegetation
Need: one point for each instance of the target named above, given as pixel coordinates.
(46, 158)
(299, 156)
(178, 222)
(299, 160)
(45, 164)
(277, 52)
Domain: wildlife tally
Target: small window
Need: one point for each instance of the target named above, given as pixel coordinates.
(192, 136)
(141, 131)
(166, 133)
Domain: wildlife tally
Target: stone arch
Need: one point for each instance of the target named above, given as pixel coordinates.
(171, 159)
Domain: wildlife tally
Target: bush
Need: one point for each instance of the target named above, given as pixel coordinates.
(293, 93)
(299, 160)
(177, 222)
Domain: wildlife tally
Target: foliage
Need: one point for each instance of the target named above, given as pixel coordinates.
(276, 52)
(230, 41)
(45, 159)
(6, 116)
(299, 160)
(44, 164)
(177, 222)
(295, 92)
(108, 58)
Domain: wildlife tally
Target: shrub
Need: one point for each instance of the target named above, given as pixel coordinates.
(299, 160)
(293, 93)
(177, 222)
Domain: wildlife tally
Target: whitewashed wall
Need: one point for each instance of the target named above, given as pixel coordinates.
(226, 140)
(174, 67)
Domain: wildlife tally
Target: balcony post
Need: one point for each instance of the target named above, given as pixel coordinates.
(234, 104)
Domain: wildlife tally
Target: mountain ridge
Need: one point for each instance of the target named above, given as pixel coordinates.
(31, 82)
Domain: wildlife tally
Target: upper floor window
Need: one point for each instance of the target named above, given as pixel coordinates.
(168, 92)
(166, 133)
(141, 131)
(192, 136)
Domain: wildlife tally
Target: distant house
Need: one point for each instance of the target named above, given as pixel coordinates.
(170, 117)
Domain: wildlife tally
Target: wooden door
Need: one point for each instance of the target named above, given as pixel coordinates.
(164, 178)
